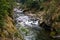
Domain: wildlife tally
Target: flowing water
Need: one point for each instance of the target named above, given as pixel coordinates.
(27, 25)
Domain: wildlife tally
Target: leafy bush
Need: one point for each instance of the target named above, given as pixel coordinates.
(5, 5)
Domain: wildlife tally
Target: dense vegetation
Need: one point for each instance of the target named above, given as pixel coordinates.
(6, 22)
(51, 16)
(50, 8)
(5, 7)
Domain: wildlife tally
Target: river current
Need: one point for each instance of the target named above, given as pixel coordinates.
(28, 26)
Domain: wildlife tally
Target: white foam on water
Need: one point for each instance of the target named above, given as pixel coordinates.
(24, 20)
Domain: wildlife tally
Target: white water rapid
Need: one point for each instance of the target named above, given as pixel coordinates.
(27, 25)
